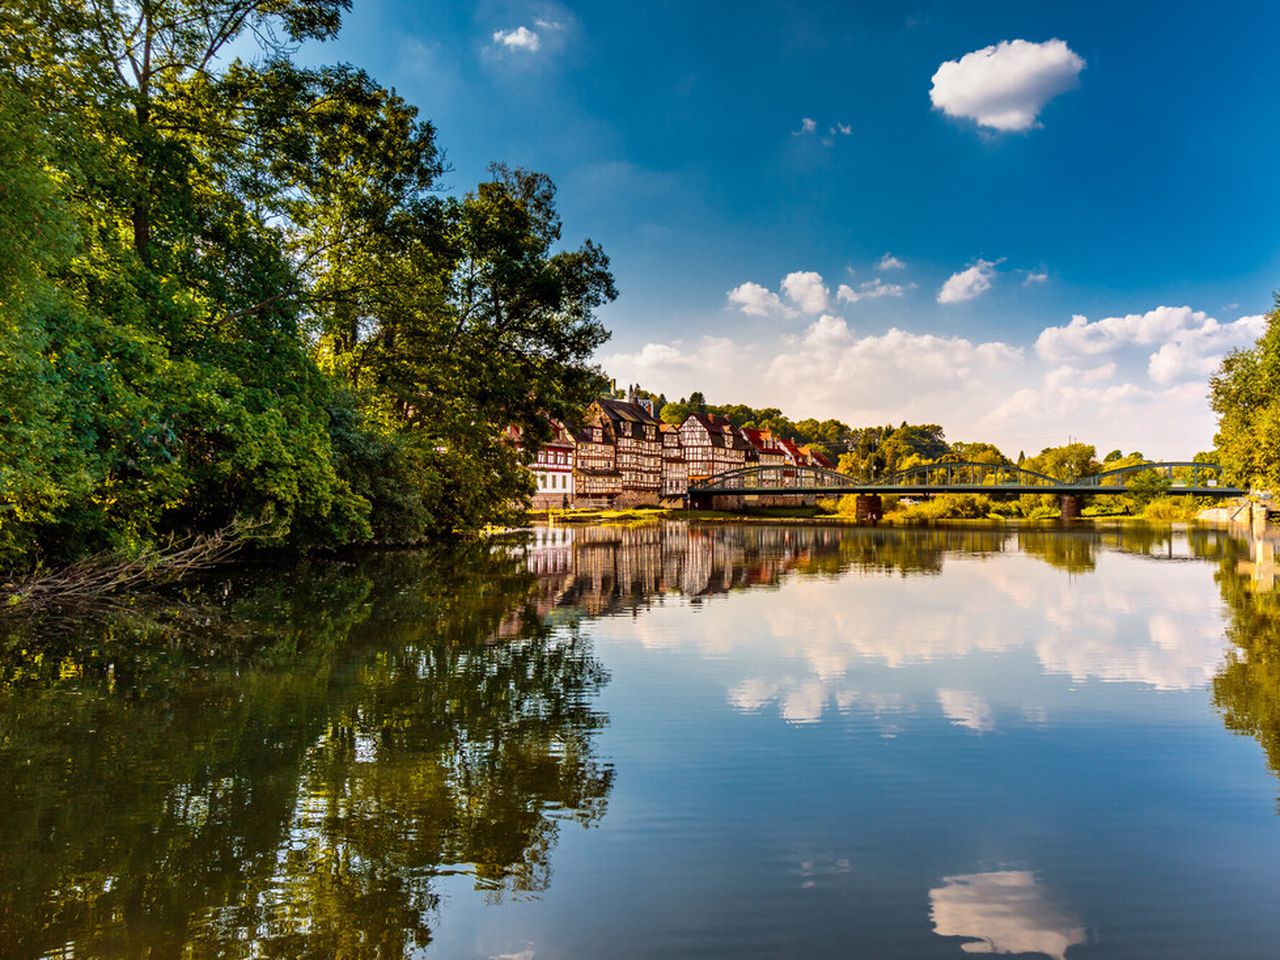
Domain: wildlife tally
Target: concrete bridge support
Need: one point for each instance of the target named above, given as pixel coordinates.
(868, 508)
(1070, 506)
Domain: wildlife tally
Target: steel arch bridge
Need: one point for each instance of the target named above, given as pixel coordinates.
(1185, 477)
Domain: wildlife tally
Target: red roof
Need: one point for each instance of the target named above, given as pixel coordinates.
(793, 451)
(762, 440)
(821, 460)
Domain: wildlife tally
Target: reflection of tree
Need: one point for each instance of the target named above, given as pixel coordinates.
(1072, 550)
(1247, 689)
(368, 727)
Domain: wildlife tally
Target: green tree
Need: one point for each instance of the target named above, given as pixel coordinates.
(249, 298)
(1245, 394)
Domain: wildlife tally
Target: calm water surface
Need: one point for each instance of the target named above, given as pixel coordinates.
(665, 741)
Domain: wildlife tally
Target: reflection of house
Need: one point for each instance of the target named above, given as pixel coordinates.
(675, 468)
(711, 445)
(637, 447)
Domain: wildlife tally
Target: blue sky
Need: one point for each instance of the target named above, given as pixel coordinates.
(1095, 160)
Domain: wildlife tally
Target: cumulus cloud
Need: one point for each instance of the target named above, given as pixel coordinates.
(969, 283)
(806, 290)
(1034, 277)
(521, 38)
(1081, 337)
(1005, 86)
(869, 290)
(807, 125)
(831, 368)
(890, 262)
(757, 301)
(1191, 343)
(1197, 353)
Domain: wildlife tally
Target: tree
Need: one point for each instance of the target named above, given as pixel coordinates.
(254, 302)
(1245, 393)
(1146, 486)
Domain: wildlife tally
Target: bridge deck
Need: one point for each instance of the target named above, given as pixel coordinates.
(989, 489)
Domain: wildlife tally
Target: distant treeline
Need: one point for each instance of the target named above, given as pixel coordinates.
(233, 292)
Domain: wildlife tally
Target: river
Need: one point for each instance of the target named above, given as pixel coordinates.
(674, 740)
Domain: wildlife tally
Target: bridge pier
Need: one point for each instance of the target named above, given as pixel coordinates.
(868, 508)
(1070, 506)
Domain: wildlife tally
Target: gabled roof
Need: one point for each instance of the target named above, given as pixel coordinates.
(721, 430)
(623, 410)
(794, 452)
(582, 434)
(762, 440)
(821, 459)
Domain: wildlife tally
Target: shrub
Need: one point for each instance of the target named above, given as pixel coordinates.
(950, 506)
(1171, 509)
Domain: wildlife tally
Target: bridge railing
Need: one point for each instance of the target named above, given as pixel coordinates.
(1179, 473)
(967, 473)
(957, 474)
(775, 477)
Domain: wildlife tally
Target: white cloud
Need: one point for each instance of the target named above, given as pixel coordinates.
(869, 290)
(1081, 337)
(1191, 343)
(967, 284)
(1007, 85)
(521, 38)
(807, 125)
(1035, 276)
(890, 262)
(843, 129)
(757, 301)
(546, 24)
(1196, 354)
(806, 290)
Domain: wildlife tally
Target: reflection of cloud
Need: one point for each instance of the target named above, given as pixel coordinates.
(1003, 912)
(966, 709)
(799, 649)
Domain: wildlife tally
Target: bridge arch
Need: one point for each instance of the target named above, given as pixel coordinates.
(774, 477)
(1195, 473)
(968, 473)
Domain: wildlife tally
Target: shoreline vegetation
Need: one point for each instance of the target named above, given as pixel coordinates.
(1169, 510)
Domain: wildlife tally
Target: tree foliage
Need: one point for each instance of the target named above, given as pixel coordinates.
(232, 289)
(1245, 393)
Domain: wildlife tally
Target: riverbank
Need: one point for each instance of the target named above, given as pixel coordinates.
(639, 515)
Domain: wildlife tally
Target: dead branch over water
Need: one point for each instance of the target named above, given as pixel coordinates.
(105, 578)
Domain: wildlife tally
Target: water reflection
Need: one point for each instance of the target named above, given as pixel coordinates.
(1005, 911)
(1247, 689)
(304, 764)
(386, 724)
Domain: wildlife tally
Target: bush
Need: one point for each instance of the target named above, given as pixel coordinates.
(1171, 509)
(949, 506)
